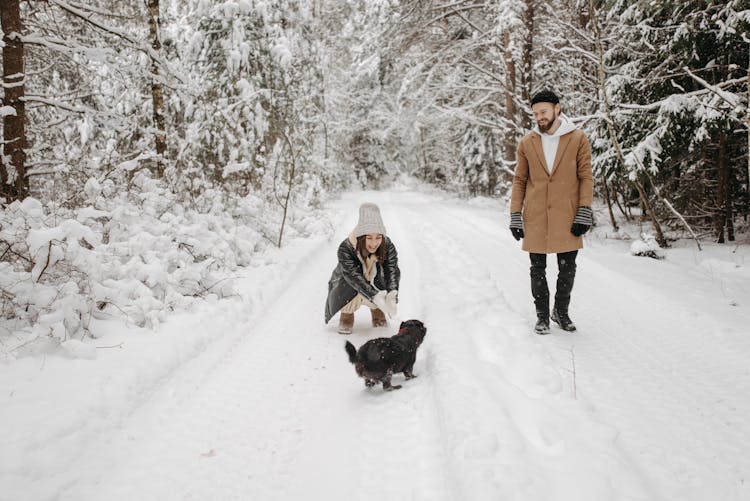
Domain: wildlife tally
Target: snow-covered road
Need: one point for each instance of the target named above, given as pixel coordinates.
(648, 401)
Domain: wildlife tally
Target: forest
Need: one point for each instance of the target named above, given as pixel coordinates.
(121, 117)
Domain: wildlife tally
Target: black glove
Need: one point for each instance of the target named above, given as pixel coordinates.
(582, 221)
(516, 225)
(579, 229)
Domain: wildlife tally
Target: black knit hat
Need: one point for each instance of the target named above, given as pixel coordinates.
(545, 96)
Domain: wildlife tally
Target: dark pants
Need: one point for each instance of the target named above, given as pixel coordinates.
(566, 265)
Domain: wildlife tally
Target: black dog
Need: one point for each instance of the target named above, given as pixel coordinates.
(378, 359)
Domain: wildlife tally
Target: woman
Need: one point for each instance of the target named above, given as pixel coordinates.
(367, 273)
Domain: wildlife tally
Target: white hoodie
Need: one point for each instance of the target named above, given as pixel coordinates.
(551, 141)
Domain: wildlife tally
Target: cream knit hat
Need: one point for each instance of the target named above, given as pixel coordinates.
(370, 221)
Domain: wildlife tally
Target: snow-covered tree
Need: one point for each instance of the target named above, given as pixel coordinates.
(679, 107)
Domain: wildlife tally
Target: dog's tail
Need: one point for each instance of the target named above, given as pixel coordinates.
(351, 351)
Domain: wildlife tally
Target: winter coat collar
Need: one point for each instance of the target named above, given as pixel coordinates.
(566, 126)
(368, 264)
(562, 132)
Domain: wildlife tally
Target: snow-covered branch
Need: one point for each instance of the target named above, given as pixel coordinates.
(730, 99)
(659, 104)
(30, 98)
(88, 16)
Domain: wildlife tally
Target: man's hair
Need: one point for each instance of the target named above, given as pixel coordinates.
(545, 96)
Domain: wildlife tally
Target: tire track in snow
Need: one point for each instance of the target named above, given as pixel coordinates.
(238, 434)
(644, 378)
(520, 422)
(257, 426)
(664, 381)
(400, 436)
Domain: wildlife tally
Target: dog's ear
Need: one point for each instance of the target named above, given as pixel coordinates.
(412, 323)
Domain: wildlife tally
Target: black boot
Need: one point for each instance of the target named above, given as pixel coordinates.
(540, 291)
(542, 324)
(566, 263)
(563, 320)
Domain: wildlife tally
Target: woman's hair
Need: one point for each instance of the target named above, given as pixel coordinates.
(362, 248)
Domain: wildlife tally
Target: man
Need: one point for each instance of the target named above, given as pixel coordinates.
(550, 204)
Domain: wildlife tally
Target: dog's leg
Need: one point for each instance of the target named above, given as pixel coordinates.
(409, 368)
(387, 382)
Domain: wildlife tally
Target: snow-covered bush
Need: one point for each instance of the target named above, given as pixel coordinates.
(135, 254)
(647, 246)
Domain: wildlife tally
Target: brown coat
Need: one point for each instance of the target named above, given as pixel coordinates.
(549, 202)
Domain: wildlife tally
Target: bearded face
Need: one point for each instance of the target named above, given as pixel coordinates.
(545, 115)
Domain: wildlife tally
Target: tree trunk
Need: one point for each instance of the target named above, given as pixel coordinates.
(509, 147)
(527, 60)
(157, 89)
(726, 168)
(616, 194)
(424, 152)
(583, 15)
(290, 184)
(491, 166)
(730, 223)
(609, 204)
(15, 184)
(650, 211)
(720, 214)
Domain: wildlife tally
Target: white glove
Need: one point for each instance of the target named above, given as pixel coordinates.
(390, 302)
(379, 301)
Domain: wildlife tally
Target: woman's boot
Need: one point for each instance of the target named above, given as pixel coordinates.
(346, 323)
(378, 318)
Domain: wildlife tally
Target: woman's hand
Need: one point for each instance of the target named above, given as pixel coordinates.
(379, 301)
(386, 302)
(390, 302)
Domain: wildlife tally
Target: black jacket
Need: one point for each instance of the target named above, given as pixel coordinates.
(348, 279)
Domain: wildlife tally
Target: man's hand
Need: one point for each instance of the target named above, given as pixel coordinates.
(516, 225)
(582, 222)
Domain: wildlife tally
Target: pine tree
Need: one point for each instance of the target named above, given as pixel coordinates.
(679, 97)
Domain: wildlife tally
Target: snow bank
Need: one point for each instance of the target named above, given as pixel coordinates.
(131, 256)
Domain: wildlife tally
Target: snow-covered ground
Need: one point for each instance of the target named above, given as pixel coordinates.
(254, 399)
